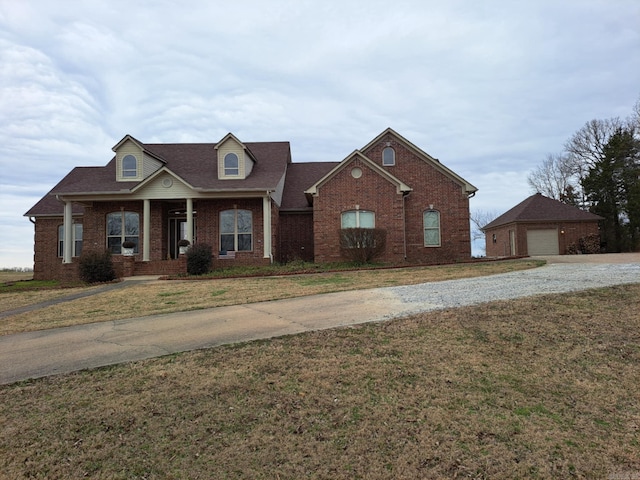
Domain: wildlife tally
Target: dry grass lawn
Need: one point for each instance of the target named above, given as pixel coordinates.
(182, 295)
(545, 387)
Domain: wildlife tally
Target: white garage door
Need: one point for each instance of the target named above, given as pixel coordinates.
(543, 242)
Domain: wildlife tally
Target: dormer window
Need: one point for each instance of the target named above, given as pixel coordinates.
(388, 157)
(129, 166)
(231, 165)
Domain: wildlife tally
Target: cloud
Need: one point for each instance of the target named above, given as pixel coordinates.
(488, 87)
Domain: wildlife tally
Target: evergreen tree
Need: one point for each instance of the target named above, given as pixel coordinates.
(612, 185)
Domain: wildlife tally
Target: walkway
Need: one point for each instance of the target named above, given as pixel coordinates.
(63, 350)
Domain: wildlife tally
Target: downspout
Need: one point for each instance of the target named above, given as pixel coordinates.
(267, 227)
(404, 225)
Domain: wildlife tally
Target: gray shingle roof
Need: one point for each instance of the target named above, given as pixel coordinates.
(300, 176)
(538, 208)
(195, 163)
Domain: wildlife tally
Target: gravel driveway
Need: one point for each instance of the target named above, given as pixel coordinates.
(566, 273)
(37, 354)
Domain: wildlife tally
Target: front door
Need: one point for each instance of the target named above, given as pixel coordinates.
(177, 232)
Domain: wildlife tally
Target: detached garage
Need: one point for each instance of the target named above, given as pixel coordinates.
(540, 225)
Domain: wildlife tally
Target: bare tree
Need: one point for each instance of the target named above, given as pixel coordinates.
(586, 146)
(555, 177)
(479, 220)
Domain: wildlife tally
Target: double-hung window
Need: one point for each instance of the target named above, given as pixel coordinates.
(236, 230)
(122, 226)
(431, 228)
(77, 240)
(231, 165)
(358, 219)
(129, 166)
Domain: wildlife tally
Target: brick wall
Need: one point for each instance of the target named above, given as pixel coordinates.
(430, 187)
(573, 231)
(342, 193)
(47, 264)
(402, 218)
(295, 237)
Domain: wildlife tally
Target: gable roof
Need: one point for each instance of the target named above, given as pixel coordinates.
(468, 188)
(400, 185)
(140, 145)
(194, 163)
(538, 208)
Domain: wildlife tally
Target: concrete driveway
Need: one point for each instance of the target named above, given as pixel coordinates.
(63, 350)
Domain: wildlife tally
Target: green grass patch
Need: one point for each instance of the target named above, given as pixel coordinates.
(28, 285)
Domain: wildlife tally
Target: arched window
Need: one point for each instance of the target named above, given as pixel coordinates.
(236, 230)
(231, 165)
(431, 228)
(388, 156)
(129, 166)
(121, 227)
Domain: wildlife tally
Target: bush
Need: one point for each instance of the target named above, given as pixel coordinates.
(362, 245)
(96, 267)
(199, 259)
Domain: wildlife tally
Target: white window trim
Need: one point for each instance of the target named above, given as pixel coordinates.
(438, 229)
(357, 212)
(225, 169)
(123, 234)
(75, 240)
(393, 159)
(235, 232)
(121, 170)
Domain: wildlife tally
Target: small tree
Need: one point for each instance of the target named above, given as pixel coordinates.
(362, 245)
(199, 259)
(96, 267)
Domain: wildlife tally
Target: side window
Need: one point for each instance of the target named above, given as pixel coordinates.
(121, 227)
(77, 240)
(388, 156)
(129, 166)
(236, 230)
(231, 165)
(431, 228)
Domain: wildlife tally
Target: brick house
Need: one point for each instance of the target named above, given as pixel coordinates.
(539, 225)
(252, 204)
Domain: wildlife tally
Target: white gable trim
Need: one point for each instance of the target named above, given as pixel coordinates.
(401, 187)
(468, 188)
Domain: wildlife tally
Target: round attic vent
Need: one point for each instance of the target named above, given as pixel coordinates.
(356, 172)
(167, 182)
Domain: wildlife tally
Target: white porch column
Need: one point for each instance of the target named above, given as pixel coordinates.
(146, 230)
(67, 222)
(266, 222)
(190, 220)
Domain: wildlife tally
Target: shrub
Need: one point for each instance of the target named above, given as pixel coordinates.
(590, 244)
(96, 267)
(199, 259)
(362, 245)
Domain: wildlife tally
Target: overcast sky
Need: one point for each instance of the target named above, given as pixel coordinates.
(489, 87)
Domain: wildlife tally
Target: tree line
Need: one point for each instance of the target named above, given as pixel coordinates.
(599, 171)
